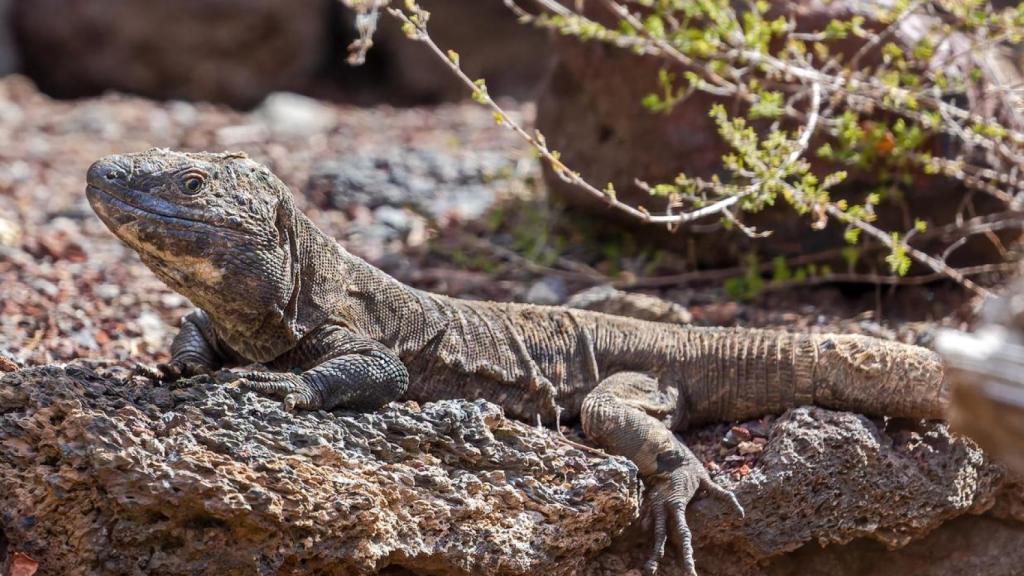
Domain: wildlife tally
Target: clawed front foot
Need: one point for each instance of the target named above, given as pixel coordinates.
(669, 494)
(172, 371)
(290, 388)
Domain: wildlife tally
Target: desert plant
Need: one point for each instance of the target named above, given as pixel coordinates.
(879, 106)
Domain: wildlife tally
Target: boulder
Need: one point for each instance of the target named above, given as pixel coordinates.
(115, 475)
(232, 51)
(826, 482)
(104, 472)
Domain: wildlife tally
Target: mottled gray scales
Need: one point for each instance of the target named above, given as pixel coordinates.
(272, 288)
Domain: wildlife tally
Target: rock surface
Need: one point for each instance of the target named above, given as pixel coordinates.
(99, 471)
(826, 478)
(984, 368)
(232, 51)
(438, 184)
(119, 476)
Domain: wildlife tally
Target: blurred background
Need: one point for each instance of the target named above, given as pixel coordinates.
(237, 52)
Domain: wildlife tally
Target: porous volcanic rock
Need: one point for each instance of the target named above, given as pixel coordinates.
(232, 51)
(100, 471)
(828, 479)
(115, 475)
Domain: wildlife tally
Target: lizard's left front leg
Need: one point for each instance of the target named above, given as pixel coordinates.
(342, 370)
(625, 415)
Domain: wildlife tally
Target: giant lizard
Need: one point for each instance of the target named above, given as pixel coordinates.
(270, 287)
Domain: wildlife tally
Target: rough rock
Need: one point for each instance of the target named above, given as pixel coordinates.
(116, 475)
(984, 369)
(293, 115)
(967, 545)
(590, 110)
(102, 472)
(831, 479)
(233, 51)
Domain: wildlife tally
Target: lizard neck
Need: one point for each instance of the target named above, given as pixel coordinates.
(312, 288)
(334, 286)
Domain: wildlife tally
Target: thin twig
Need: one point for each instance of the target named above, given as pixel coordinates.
(538, 142)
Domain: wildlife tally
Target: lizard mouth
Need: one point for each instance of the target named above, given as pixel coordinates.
(118, 207)
(113, 204)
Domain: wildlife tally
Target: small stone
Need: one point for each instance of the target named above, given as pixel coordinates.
(172, 300)
(106, 292)
(735, 435)
(154, 330)
(393, 217)
(288, 114)
(7, 365)
(749, 448)
(548, 291)
(10, 232)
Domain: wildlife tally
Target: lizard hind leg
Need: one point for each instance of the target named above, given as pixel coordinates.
(626, 414)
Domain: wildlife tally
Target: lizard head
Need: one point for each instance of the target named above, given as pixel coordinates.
(217, 228)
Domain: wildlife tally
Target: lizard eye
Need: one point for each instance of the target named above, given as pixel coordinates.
(193, 183)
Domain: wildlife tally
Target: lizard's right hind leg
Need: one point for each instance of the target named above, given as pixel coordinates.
(625, 414)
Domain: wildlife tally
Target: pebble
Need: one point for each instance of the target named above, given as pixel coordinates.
(10, 232)
(293, 115)
(548, 291)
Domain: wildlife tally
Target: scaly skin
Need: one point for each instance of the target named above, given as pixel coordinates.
(271, 288)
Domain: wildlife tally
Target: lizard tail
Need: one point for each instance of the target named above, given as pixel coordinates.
(741, 373)
(875, 376)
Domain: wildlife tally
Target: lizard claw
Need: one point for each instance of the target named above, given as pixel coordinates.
(171, 371)
(715, 490)
(291, 389)
(670, 493)
(147, 372)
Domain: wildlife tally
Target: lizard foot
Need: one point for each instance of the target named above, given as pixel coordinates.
(292, 389)
(171, 371)
(669, 495)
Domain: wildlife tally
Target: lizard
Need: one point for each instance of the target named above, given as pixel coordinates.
(270, 287)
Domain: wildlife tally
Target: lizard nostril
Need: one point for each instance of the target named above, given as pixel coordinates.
(114, 175)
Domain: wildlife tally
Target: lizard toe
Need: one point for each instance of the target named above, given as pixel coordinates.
(293, 391)
(660, 539)
(670, 493)
(169, 371)
(274, 385)
(305, 399)
(148, 372)
(717, 491)
(683, 538)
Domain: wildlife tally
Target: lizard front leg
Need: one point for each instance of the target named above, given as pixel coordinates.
(193, 351)
(622, 415)
(342, 370)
